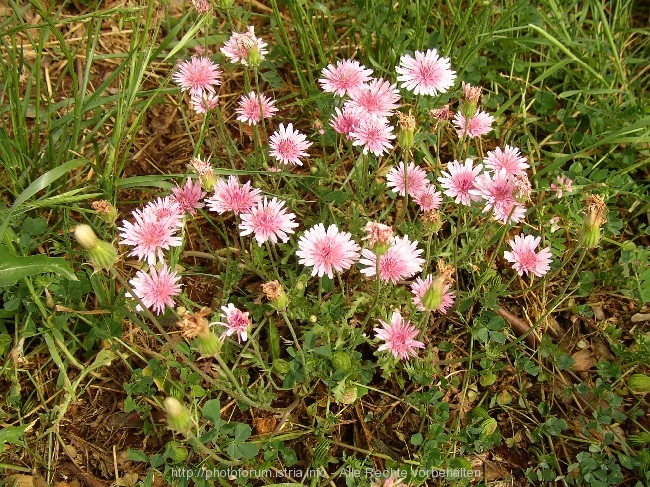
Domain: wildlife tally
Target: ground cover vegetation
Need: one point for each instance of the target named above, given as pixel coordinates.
(326, 243)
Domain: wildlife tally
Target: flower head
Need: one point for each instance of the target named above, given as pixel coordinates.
(411, 178)
(562, 184)
(245, 48)
(347, 120)
(253, 107)
(378, 97)
(201, 6)
(346, 78)
(230, 196)
(471, 93)
(150, 235)
(399, 337)
(524, 259)
(327, 250)
(198, 75)
(498, 191)
(510, 160)
(205, 102)
(237, 322)
(459, 180)
(189, 197)
(166, 208)
(429, 198)
(401, 261)
(156, 289)
(268, 220)
(479, 124)
(426, 74)
(442, 114)
(373, 134)
(378, 234)
(288, 145)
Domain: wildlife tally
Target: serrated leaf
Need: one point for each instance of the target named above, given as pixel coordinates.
(12, 434)
(15, 267)
(212, 411)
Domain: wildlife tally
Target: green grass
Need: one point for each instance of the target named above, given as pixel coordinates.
(89, 112)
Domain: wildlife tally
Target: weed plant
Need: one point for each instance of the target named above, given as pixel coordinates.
(304, 242)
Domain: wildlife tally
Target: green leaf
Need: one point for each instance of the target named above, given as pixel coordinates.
(137, 456)
(12, 434)
(212, 411)
(40, 183)
(14, 267)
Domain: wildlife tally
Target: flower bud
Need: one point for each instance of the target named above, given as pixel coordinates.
(178, 417)
(206, 173)
(254, 57)
(208, 345)
(341, 361)
(594, 219)
(639, 383)
(103, 255)
(105, 211)
(406, 137)
(86, 237)
(432, 298)
(276, 295)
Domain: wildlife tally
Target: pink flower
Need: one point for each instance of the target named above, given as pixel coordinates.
(166, 209)
(346, 121)
(201, 6)
(268, 221)
(346, 78)
(498, 192)
(198, 75)
(378, 97)
(288, 145)
(240, 46)
(237, 321)
(399, 336)
(523, 256)
(429, 198)
(156, 289)
(189, 197)
(509, 160)
(427, 74)
(230, 196)
(150, 235)
(563, 184)
(377, 234)
(204, 103)
(400, 261)
(459, 180)
(327, 251)
(420, 287)
(373, 134)
(415, 181)
(253, 107)
(479, 124)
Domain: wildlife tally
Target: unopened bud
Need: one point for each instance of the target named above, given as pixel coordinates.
(86, 237)
(639, 383)
(341, 361)
(349, 395)
(208, 345)
(432, 298)
(406, 137)
(594, 219)
(206, 173)
(105, 211)
(276, 295)
(178, 417)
